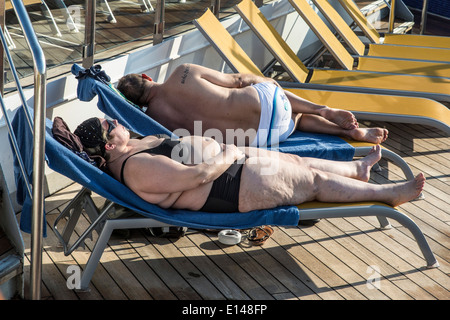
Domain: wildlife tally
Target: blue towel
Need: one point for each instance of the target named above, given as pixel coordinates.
(93, 81)
(66, 162)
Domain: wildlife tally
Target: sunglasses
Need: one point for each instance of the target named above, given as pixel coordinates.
(111, 127)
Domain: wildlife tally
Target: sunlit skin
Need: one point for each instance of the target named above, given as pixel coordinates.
(228, 101)
(170, 184)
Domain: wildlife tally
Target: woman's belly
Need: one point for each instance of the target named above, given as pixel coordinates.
(196, 150)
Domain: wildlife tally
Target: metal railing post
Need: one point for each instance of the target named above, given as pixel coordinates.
(391, 17)
(89, 35)
(215, 7)
(2, 67)
(40, 79)
(423, 21)
(158, 27)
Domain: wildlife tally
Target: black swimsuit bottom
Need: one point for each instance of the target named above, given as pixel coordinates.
(224, 194)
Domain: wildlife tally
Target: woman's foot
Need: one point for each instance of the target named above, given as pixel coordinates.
(364, 165)
(406, 191)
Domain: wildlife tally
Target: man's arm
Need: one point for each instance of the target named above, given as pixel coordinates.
(228, 80)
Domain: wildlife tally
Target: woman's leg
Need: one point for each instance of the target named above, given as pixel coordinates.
(359, 169)
(334, 188)
(293, 184)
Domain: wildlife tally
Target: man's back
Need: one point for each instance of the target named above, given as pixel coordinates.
(193, 93)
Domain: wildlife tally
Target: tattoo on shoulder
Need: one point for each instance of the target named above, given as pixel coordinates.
(185, 73)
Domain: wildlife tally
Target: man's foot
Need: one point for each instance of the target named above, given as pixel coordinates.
(407, 191)
(343, 118)
(372, 135)
(364, 165)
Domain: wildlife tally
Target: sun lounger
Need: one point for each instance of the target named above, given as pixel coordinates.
(401, 39)
(364, 106)
(68, 163)
(365, 62)
(341, 80)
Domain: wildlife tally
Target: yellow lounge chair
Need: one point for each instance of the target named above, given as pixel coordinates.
(399, 39)
(365, 62)
(240, 62)
(364, 106)
(343, 80)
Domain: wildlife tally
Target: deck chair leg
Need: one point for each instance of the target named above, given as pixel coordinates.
(146, 6)
(109, 227)
(70, 23)
(384, 223)
(95, 256)
(72, 213)
(48, 14)
(109, 12)
(379, 211)
(9, 41)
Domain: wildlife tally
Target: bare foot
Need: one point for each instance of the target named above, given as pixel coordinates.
(364, 165)
(343, 118)
(372, 135)
(407, 191)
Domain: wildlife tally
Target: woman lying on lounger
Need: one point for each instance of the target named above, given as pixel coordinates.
(163, 171)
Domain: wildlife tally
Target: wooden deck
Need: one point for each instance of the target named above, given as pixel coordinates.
(331, 260)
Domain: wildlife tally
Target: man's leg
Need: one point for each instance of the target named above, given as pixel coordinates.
(342, 118)
(318, 124)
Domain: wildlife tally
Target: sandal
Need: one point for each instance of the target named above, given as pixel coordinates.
(258, 235)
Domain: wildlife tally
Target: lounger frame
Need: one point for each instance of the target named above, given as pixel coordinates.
(105, 226)
(400, 39)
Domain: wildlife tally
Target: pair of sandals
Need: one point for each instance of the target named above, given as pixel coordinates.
(259, 235)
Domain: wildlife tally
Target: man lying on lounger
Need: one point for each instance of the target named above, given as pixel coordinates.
(231, 179)
(255, 105)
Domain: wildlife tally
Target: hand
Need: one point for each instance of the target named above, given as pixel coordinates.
(232, 152)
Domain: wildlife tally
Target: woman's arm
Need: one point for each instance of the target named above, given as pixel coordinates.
(160, 175)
